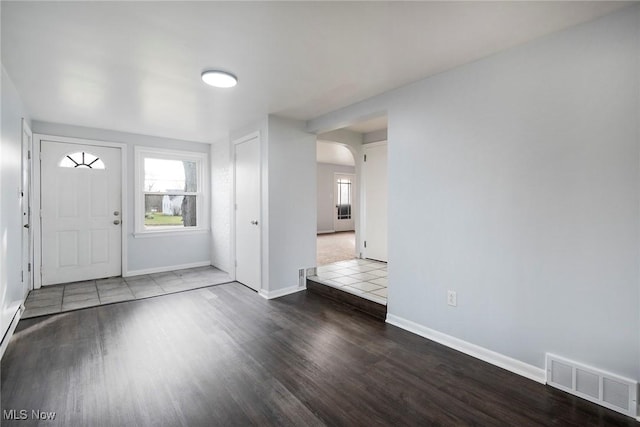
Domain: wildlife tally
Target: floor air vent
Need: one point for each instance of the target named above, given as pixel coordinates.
(603, 388)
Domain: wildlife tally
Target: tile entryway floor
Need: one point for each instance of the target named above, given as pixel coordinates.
(362, 277)
(91, 293)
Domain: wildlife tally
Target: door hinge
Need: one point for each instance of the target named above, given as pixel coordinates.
(28, 154)
(365, 243)
(365, 157)
(22, 276)
(29, 267)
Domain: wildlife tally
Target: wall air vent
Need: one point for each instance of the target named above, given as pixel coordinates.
(603, 388)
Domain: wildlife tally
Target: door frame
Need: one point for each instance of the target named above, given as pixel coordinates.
(27, 193)
(37, 206)
(354, 195)
(363, 192)
(263, 226)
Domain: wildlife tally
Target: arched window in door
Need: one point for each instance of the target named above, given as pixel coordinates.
(81, 159)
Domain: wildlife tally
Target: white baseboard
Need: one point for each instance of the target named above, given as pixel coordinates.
(505, 362)
(10, 331)
(166, 268)
(281, 292)
(325, 231)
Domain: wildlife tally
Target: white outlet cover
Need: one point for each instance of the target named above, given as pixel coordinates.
(452, 298)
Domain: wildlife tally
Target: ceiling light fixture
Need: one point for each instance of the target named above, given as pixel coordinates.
(219, 78)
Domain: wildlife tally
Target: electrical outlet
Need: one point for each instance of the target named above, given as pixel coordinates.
(452, 298)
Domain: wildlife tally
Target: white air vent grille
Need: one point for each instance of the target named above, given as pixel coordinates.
(603, 388)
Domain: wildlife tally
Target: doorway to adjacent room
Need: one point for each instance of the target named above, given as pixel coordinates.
(337, 199)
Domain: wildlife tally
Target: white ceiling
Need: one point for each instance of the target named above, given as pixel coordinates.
(334, 153)
(135, 66)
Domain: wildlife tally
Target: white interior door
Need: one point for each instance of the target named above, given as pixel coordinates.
(247, 212)
(81, 212)
(375, 210)
(344, 197)
(27, 241)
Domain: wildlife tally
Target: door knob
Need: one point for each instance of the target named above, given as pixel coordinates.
(116, 221)
(26, 226)
(254, 222)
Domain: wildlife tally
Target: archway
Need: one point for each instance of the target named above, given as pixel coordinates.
(337, 202)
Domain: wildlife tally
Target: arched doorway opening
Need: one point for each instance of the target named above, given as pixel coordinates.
(337, 201)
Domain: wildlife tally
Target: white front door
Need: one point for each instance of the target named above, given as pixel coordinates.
(27, 243)
(375, 210)
(81, 212)
(344, 196)
(247, 212)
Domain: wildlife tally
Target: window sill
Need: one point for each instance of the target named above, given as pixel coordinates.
(169, 233)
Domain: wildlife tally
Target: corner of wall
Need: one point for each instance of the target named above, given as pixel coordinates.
(221, 185)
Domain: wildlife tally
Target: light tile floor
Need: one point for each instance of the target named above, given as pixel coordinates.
(91, 293)
(362, 277)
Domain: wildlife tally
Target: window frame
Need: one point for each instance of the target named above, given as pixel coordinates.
(202, 195)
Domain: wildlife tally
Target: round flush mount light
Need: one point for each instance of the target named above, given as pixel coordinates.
(217, 78)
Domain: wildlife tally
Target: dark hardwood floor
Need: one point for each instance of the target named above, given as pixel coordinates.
(225, 356)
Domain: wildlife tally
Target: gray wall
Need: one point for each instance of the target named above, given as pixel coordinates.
(292, 207)
(325, 196)
(12, 292)
(221, 185)
(149, 252)
(514, 181)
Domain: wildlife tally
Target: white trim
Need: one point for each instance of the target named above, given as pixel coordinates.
(280, 292)
(202, 206)
(170, 232)
(37, 207)
(325, 231)
(164, 268)
(233, 258)
(232, 211)
(247, 137)
(12, 327)
(505, 362)
(29, 197)
(36, 218)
